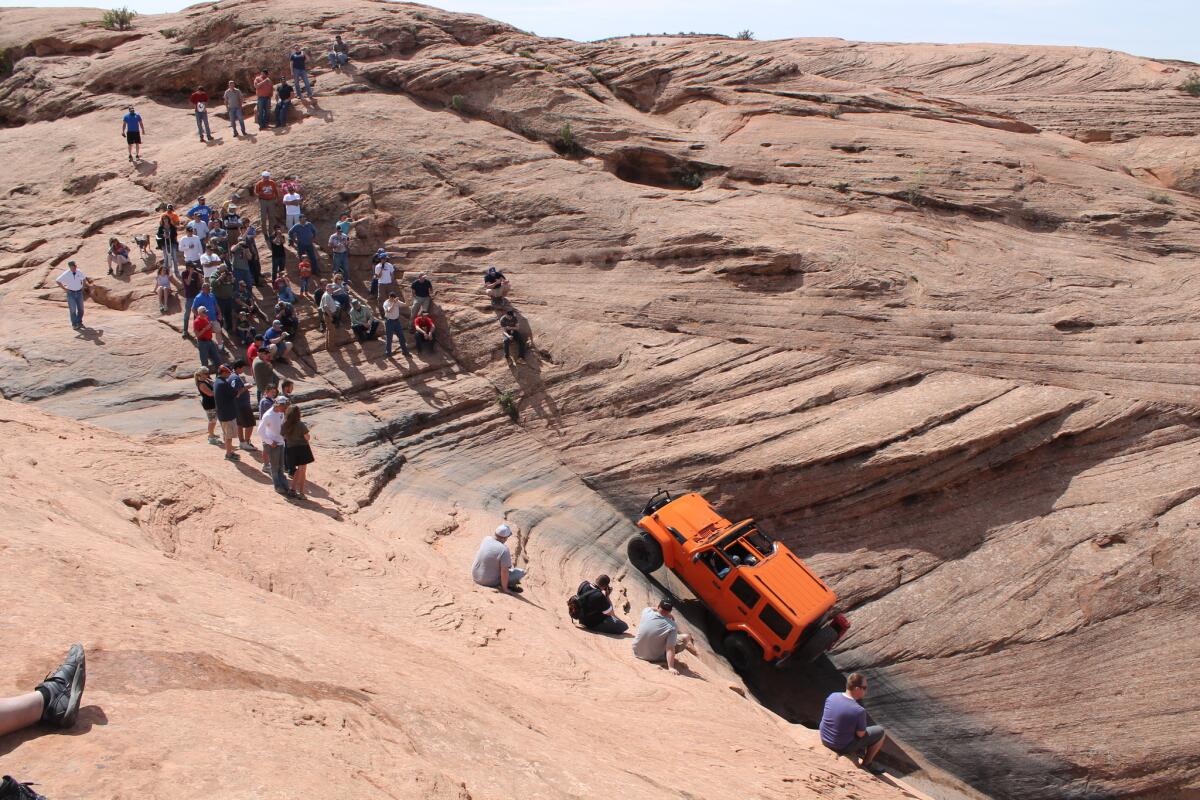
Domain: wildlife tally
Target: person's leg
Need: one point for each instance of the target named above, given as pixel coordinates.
(507, 342)
(241, 116)
(187, 314)
(374, 329)
(162, 298)
(20, 711)
(684, 642)
(389, 331)
(299, 477)
(307, 84)
(227, 433)
(311, 249)
(520, 345)
(75, 307)
(333, 61)
(871, 744)
(275, 453)
(211, 415)
(341, 263)
(611, 625)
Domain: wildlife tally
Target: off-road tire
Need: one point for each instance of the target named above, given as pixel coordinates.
(743, 653)
(645, 553)
(816, 646)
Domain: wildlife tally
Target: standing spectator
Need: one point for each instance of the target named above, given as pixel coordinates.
(117, 254)
(339, 249)
(190, 283)
(225, 397)
(206, 299)
(277, 244)
(270, 433)
(191, 247)
(362, 321)
(168, 238)
(250, 243)
(201, 211)
(844, 728)
(422, 290)
(303, 235)
(263, 89)
(224, 287)
(211, 261)
(73, 281)
(132, 128)
(345, 224)
(493, 563)
(510, 326)
(299, 59)
(329, 309)
(240, 264)
(162, 288)
(264, 373)
(202, 327)
(291, 208)
(283, 104)
(423, 328)
(267, 192)
(199, 101)
(204, 386)
(392, 325)
(306, 273)
(231, 220)
(385, 276)
(245, 409)
(297, 454)
(233, 104)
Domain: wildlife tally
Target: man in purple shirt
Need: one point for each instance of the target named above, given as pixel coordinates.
(844, 728)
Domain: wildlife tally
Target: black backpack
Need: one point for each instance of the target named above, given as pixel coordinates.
(574, 607)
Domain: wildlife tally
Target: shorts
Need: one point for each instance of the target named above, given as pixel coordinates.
(133, 137)
(860, 744)
(229, 428)
(245, 417)
(211, 413)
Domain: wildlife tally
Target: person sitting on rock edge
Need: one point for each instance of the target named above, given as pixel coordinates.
(658, 638)
(596, 611)
(844, 728)
(510, 328)
(493, 563)
(423, 331)
(362, 321)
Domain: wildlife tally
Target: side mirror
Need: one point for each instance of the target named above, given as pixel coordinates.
(695, 558)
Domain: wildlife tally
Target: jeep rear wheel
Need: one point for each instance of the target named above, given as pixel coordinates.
(816, 646)
(742, 651)
(645, 553)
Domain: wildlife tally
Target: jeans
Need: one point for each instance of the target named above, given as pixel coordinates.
(75, 306)
(609, 625)
(363, 332)
(309, 250)
(281, 112)
(237, 116)
(278, 258)
(227, 315)
(421, 342)
(519, 339)
(262, 112)
(170, 251)
(302, 75)
(341, 263)
(202, 124)
(393, 327)
(275, 456)
(187, 312)
(210, 356)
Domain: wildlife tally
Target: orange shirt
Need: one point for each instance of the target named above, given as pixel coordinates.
(263, 87)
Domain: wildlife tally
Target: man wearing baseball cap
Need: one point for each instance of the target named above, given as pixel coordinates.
(270, 432)
(73, 281)
(267, 192)
(493, 563)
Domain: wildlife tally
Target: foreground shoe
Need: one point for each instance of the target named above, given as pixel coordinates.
(11, 790)
(65, 686)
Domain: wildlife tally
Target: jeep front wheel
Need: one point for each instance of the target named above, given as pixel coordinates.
(645, 553)
(742, 651)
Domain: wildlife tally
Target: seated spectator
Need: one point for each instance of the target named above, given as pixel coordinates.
(510, 327)
(493, 563)
(283, 290)
(276, 340)
(286, 314)
(658, 638)
(362, 321)
(844, 728)
(245, 331)
(495, 285)
(423, 329)
(118, 256)
(596, 611)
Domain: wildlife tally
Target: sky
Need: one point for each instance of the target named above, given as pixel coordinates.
(1155, 28)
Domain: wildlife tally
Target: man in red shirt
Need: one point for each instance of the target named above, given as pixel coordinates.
(199, 100)
(267, 192)
(202, 327)
(263, 89)
(423, 330)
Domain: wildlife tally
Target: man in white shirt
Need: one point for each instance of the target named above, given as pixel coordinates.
(72, 282)
(391, 323)
(201, 228)
(270, 433)
(210, 262)
(385, 276)
(192, 247)
(291, 208)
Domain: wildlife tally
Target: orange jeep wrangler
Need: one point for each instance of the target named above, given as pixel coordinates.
(772, 605)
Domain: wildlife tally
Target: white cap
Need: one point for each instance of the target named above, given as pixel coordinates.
(504, 531)
(266, 174)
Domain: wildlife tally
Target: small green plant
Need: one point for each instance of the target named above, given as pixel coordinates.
(691, 180)
(5, 67)
(835, 112)
(913, 195)
(524, 54)
(746, 35)
(118, 19)
(595, 73)
(457, 102)
(169, 33)
(186, 50)
(508, 404)
(1191, 84)
(1161, 199)
(841, 187)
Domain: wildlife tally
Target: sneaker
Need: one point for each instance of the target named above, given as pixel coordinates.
(875, 769)
(515, 589)
(232, 457)
(248, 446)
(65, 686)
(266, 468)
(11, 790)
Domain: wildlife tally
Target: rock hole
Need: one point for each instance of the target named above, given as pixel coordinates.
(649, 167)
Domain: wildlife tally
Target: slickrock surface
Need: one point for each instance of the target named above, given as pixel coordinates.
(930, 312)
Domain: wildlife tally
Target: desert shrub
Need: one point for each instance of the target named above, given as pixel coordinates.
(594, 72)
(1191, 84)
(745, 35)
(118, 19)
(1161, 199)
(508, 404)
(691, 180)
(169, 33)
(457, 102)
(841, 187)
(524, 54)
(186, 50)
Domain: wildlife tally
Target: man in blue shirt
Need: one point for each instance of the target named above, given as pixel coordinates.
(303, 235)
(844, 728)
(299, 60)
(132, 129)
(209, 301)
(200, 210)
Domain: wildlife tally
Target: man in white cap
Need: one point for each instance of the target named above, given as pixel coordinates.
(493, 563)
(267, 192)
